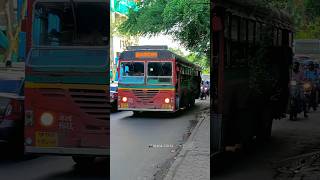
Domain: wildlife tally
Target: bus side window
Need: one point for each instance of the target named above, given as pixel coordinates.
(250, 31)
(280, 37)
(275, 36)
(234, 28)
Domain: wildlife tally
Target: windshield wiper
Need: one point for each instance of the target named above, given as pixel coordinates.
(74, 19)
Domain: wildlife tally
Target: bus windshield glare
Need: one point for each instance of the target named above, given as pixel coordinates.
(159, 73)
(132, 72)
(70, 24)
(65, 57)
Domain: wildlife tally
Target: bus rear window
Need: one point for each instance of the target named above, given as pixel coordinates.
(70, 24)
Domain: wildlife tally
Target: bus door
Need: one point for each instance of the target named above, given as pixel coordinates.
(217, 62)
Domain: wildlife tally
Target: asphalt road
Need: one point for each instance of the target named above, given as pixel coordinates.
(284, 157)
(134, 155)
(50, 168)
(134, 141)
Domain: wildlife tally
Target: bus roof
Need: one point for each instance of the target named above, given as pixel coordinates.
(153, 54)
(146, 47)
(258, 11)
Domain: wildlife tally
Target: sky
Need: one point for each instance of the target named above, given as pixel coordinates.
(162, 40)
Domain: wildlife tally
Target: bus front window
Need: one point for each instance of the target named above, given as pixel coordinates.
(159, 73)
(132, 73)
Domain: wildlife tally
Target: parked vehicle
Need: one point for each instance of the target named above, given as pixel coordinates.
(12, 117)
(114, 96)
(204, 92)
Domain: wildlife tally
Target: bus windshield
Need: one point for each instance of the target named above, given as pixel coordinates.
(159, 73)
(132, 72)
(70, 24)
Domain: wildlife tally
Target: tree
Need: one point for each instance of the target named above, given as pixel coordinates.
(195, 58)
(188, 21)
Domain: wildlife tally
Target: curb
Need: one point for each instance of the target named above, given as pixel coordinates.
(187, 148)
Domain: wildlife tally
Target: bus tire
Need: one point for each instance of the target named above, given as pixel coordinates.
(265, 129)
(83, 160)
(193, 101)
(137, 113)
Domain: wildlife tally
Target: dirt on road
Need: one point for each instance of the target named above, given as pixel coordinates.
(293, 152)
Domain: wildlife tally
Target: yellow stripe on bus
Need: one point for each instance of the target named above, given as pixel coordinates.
(64, 86)
(171, 89)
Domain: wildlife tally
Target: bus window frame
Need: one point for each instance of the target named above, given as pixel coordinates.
(131, 61)
(172, 70)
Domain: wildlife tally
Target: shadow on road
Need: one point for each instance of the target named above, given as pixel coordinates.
(163, 115)
(6, 157)
(99, 170)
(257, 154)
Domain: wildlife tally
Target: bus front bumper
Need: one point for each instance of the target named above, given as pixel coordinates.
(142, 109)
(67, 151)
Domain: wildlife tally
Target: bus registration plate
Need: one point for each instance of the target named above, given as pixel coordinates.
(124, 105)
(46, 139)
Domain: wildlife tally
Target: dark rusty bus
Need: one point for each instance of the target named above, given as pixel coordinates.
(242, 31)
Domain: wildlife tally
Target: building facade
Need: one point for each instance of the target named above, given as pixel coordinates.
(118, 43)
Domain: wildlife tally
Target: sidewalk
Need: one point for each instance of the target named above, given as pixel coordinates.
(193, 161)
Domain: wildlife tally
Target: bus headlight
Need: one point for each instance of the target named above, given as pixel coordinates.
(167, 100)
(28, 141)
(124, 99)
(46, 119)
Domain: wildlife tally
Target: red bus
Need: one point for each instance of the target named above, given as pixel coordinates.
(67, 105)
(151, 78)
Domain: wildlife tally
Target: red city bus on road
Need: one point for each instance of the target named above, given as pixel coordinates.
(151, 78)
(67, 104)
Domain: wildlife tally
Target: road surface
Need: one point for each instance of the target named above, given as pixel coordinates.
(134, 151)
(50, 168)
(284, 157)
(134, 141)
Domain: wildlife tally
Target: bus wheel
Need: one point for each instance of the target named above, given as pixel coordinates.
(137, 113)
(193, 102)
(265, 128)
(83, 160)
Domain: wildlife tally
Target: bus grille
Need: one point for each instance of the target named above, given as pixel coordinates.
(145, 96)
(93, 102)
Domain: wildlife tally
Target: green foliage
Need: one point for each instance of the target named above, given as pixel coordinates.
(177, 51)
(188, 21)
(201, 61)
(312, 9)
(305, 14)
(310, 30)
(195, 58)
